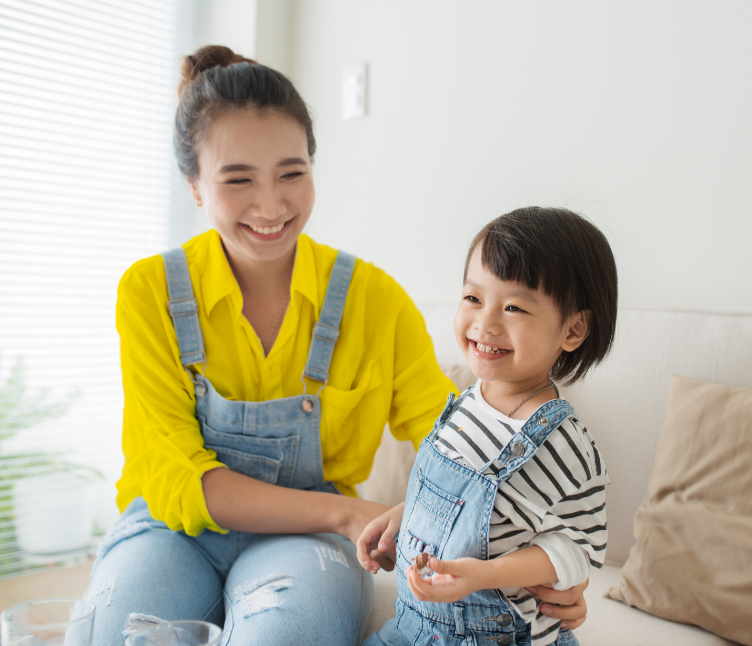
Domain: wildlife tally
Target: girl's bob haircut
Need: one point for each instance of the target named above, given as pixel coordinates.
(569, 258)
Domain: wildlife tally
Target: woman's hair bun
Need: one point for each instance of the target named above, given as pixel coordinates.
(206, 58)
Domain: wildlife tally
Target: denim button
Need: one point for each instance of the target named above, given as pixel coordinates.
(504, 640)
(200, 389)
(517, 449)
(543, 421)
(503, 620)
(307, 405)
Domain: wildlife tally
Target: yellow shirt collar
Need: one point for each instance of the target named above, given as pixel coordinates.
(218, 281)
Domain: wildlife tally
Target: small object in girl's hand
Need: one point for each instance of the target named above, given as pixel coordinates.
(420, 564)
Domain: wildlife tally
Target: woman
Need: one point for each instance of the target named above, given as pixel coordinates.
(259, 369)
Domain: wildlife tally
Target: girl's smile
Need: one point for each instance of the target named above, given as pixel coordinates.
(488, 352)
(510, 334)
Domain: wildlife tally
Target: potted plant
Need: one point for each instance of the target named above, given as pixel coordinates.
(46, 500)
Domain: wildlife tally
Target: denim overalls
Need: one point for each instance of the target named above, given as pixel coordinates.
(447, 513)
(277, 589)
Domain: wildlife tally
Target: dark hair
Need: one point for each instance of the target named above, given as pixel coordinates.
(569, 258)
(214, 80)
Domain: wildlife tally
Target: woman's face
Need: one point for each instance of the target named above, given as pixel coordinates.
(255, 183)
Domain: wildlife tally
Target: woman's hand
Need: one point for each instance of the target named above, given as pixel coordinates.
(377, 544)
(358, 514)
(567, 605)
(451, 580)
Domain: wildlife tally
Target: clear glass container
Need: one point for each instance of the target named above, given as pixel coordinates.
(48, 622)
(177, 633)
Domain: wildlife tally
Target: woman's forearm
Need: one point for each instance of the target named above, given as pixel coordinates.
(245, 504)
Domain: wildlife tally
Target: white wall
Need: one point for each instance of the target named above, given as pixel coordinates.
(636, 114)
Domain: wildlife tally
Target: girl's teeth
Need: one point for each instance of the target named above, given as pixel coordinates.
(489, 349)
(268, 230)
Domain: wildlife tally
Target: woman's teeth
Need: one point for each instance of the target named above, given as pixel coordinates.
(268, 230)
(490, 349)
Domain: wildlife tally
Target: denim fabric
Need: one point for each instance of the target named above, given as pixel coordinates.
(447, 513)
(263, 589)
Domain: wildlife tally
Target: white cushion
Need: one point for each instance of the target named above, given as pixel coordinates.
(609, 623)
(623, 402)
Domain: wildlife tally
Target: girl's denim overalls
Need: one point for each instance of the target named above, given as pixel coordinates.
(447, 513)
(264, 589)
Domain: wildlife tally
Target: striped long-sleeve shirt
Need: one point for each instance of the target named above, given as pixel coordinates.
(556, 500)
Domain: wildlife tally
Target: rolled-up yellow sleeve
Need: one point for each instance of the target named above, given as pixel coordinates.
(420, 388)
(164, 450)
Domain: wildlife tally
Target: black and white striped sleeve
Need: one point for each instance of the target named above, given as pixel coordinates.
(561, 491)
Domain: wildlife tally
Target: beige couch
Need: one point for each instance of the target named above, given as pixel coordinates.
(623, 404)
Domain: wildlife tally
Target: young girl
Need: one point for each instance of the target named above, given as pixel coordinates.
(508, 490)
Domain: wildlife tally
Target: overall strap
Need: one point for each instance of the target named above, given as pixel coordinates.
(533, 435)
(326, 329)
(183, 308)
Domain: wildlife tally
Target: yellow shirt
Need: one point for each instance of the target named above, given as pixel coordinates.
(383, 370)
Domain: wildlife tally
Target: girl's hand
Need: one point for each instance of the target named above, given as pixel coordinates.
(567, 605)
(377, 545)
(451, 580)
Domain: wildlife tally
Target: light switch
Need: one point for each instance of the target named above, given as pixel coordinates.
(354, 81)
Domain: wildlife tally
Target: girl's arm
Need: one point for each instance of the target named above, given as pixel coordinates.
(454, 580)
(463, 574)
(244, 504)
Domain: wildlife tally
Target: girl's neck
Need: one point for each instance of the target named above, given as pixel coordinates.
(505, 396)
(262, 279)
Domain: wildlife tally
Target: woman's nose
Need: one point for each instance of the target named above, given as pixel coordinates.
(268, 204)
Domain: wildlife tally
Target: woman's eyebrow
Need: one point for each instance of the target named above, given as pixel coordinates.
(232, 167)
(290, 161)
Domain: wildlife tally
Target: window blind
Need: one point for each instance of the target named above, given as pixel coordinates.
(86, 105)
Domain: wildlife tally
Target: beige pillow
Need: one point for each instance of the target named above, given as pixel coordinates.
(693, 559)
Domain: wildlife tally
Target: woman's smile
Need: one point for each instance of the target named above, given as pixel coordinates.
(267, 233)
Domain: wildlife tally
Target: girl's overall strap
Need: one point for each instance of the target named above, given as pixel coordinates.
(183, 308)
(326, 330)
(533, 435)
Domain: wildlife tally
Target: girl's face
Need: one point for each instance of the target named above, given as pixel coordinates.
(509, 333)
(255, 182)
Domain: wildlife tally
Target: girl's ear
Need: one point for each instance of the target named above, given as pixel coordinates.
(577, 330)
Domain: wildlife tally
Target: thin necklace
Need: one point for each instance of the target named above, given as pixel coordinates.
(509, 414)
(270, 336)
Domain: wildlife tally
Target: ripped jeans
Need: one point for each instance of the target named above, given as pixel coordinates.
(262, 589)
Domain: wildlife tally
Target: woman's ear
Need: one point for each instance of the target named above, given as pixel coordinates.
(193, 188)
(577, 330)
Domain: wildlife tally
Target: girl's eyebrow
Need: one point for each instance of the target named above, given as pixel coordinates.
(528, 296)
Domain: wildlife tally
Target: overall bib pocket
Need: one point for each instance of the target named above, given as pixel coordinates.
(430, 520)
(267, 459)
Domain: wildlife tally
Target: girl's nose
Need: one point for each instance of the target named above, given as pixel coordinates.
(486, 323)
